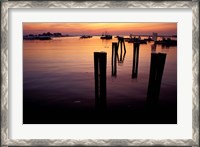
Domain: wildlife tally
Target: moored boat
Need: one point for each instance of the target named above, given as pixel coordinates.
(136, 40)
(85, 36)
(166, 42)
(106, 36)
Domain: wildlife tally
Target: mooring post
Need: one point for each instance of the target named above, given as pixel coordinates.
(156, 71)
(136, 46)
(120, 40)
(114, 58)
(100, 80)
(122, 45)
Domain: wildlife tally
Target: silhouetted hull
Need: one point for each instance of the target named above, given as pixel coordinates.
(106, 37)
(137, 41)
(167, 43)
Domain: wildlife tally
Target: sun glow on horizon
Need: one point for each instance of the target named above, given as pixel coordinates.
(99, 28)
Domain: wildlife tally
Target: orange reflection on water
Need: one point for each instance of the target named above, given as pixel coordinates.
(66, 64)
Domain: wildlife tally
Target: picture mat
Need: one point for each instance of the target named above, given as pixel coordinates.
(182, 130)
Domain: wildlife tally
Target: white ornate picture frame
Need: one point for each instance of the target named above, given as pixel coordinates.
(5, 130)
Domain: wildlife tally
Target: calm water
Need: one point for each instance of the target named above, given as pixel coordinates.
(59, 73)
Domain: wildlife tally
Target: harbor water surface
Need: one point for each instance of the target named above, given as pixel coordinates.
(58, 83)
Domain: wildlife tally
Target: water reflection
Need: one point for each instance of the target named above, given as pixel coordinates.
(153, 47)
(121, 57)
(58, 82)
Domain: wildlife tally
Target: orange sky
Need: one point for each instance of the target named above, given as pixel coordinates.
(99, 28)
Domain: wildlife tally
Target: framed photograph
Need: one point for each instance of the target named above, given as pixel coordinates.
(100, 73)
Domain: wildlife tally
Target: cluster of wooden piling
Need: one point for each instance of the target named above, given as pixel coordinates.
(155, 77)
(115, 56)
(122, 45)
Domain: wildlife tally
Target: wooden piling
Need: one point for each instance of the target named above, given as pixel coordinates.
(100, 80)
(114, 59)
(156, 71)
(135, 60)
(122, 45)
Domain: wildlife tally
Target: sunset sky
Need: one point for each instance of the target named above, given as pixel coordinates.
(99, 28)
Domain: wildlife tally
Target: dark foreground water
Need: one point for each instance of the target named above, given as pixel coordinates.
(58, 84)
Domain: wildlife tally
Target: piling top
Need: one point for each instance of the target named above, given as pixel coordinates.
(136, 43)
(121, 38)
(102, 52)
(160, 53)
